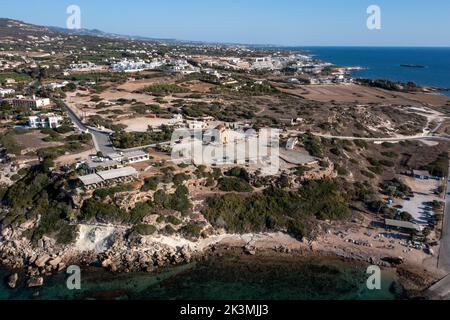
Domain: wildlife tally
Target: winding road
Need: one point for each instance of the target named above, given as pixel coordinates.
(101, 140)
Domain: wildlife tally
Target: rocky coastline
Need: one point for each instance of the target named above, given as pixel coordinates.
(127, 253)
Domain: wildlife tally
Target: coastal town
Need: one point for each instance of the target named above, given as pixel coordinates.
(136, 155)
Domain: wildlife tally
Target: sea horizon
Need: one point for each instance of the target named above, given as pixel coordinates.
(386, 62)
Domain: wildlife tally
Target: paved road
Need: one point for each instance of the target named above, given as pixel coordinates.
(101, 140)
(444, 252)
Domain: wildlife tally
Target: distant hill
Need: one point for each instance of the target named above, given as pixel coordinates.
(14, 29)
(10, 28)
(102, 34)
(17, 29)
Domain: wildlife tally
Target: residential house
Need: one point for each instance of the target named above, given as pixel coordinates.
(44, 121)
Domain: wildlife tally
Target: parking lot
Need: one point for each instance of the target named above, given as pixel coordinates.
(424, 193)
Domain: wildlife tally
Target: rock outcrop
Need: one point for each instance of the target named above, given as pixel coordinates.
(12, 280)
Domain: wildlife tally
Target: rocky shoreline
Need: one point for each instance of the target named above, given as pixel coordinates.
(130, 253)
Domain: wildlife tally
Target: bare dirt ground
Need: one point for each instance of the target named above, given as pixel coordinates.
(362, 94)
(132, 86)
(444, 129)
(199, 86)
(33, 141)
(72, 158)
(141, 124)
(110, 95)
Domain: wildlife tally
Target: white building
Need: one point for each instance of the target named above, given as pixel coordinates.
(126, 65)
(177, 119)
(87, 66)
(196, 125)
(130, 157)
(291, 143)
(54, 86)
(30, 103)
(5, 92)
(183, 67)
(44, 121)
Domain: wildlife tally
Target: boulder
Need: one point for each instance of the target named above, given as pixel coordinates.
(34, 282)
(61, 266)
(250, 250)
(42, 260)
(114, 268)
(12, 280)
(106, 263)
(55, 262)
(27, 225)
(186, 254)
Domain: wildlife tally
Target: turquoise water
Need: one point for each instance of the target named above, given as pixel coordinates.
(223, 278)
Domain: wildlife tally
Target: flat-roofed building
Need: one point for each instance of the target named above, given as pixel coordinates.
(130, 157)
(30, 103)
(115, 157)
(402, 225)
(136, 156)
(118, 173)
(423, 175)
(44, 121)
(95, 166)
(109, 177)
(91, 179)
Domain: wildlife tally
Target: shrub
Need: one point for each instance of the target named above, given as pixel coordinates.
(395, 188)
(169, 230)
(150, 184)
(298, 229)
(361, 144)
(164, 89)
(439, 167)
(15, 177)
(191, 230)
(274, 208)
(145, 229)
(234, 184)
(367, 174)
(139, 212)
(102, 212)
(125, 140)
(179, 201)
(313, 145)
(180, 178)
(173, 220)
(106, 192)
(390, 154)
(405, 216)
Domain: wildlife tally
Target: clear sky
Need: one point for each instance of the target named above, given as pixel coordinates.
(282, 22)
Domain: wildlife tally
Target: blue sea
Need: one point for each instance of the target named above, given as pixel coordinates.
(385, 62)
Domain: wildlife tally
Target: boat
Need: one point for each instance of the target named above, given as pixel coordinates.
(412, 66)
